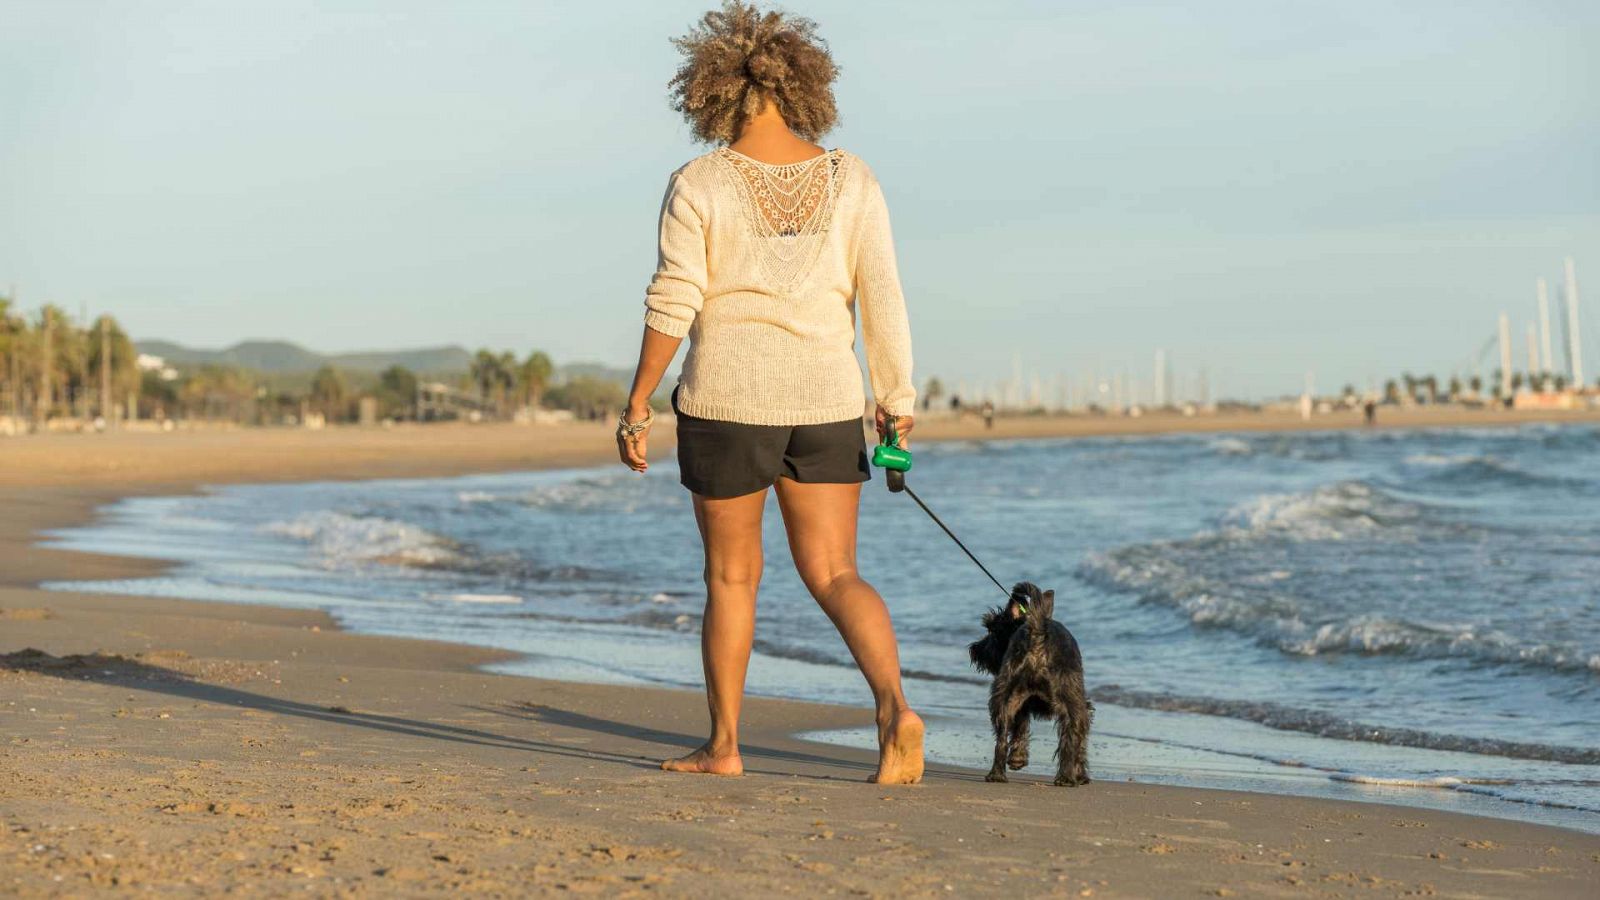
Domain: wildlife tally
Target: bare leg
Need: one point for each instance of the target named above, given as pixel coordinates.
(821, 523)
(730, 530)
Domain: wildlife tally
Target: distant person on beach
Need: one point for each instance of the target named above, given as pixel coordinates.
(988, 414)
(1370, 408)
(770, 247)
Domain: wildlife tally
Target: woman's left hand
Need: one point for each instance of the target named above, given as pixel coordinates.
(902, 426)
(632, 449)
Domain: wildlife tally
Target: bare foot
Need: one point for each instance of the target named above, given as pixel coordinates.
(900, 750)
(705, 762)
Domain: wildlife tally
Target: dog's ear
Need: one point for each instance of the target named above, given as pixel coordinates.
(985, 655)
(1045, 606)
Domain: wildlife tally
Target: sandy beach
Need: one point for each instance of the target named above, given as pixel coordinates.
(181, 747)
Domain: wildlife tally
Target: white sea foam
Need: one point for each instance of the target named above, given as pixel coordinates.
(1332, 513)
(1443, 781)
(341, 538)
(479, 598)
(1229, 446)
(1382, 634)
(609, 493)
(1440, 459)
(1511, 790)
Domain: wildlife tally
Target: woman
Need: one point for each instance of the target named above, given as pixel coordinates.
(769, 248)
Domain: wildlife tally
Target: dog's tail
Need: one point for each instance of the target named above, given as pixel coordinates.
(1040, 612)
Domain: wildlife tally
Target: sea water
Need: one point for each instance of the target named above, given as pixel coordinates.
(1405, 616)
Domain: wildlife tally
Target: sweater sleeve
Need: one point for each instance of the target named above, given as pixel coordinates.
(677, 291)
(883, 309)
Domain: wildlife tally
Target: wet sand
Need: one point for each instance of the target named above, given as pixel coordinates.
(198, 748)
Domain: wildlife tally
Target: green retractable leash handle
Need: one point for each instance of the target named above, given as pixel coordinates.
(893, 459)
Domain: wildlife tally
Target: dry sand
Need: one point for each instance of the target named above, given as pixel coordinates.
(159, 745)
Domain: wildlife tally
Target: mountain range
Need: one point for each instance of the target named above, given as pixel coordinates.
(286, 358)
(283, 357)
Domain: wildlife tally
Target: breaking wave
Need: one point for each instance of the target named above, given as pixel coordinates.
(1235, 577)
(1303, 447)
(339, 537)
(1469, 471)
(1290, 625)
(1231, 446)
(608, 494)
(1287, 718)
(1336, 512)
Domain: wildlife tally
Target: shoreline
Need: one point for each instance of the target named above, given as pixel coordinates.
(250, 713)
(144, 460)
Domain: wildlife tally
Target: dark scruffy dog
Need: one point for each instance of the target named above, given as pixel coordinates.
(1038, 672)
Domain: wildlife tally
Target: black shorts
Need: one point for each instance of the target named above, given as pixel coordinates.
(730, 459)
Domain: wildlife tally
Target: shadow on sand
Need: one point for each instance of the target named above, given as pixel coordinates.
(127, 672)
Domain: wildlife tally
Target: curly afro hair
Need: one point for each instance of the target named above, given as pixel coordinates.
(738, 58)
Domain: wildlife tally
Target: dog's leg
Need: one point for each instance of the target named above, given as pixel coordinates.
(1002, 711)
(1082, 719)
(1018, 757)
(1066, 751)
(1072, 728)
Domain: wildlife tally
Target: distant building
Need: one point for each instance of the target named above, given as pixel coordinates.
(150, 363)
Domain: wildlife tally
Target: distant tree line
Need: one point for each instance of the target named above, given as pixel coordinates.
(52, 367)
(1426, 389)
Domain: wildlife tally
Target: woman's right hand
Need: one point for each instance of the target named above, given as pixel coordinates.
(633, 449)
(902, 426)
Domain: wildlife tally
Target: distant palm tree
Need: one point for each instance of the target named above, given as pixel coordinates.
(493, 374)
(219, 392)
(397, 391)
(58, 360)
(533, 376)
(588, 397)
(124, 361)
(329, 393)
(13, 336)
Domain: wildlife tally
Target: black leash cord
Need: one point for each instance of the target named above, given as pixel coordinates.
(907, 489)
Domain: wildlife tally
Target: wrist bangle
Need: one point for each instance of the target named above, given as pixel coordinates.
(629, 429)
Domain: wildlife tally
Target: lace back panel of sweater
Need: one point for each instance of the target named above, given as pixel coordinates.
(789, 209)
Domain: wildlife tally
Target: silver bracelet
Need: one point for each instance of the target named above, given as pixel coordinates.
(629, 429)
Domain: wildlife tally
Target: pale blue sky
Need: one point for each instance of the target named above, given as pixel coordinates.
(1266, 187)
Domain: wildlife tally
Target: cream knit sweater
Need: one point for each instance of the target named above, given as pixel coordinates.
(764, 268)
